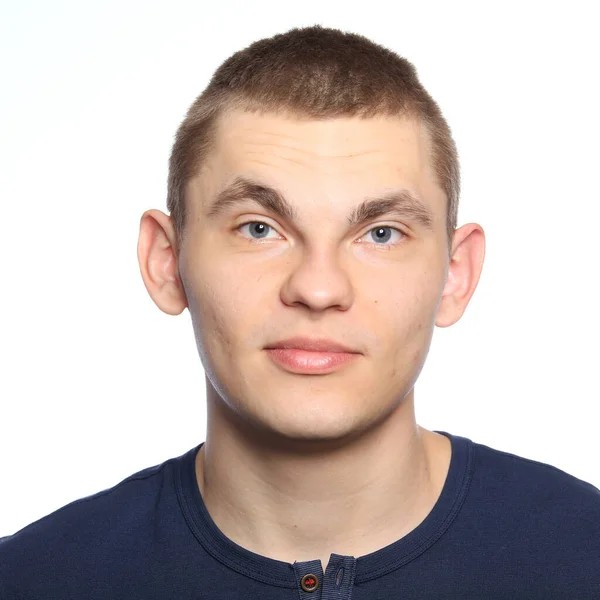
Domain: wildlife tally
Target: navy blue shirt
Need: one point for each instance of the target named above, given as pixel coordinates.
(503, 527)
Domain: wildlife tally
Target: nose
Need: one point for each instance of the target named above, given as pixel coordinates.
(318, 281)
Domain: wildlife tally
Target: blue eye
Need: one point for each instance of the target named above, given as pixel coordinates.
(257, 227)
(381, 233)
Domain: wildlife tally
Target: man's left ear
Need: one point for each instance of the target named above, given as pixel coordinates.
(466, 264)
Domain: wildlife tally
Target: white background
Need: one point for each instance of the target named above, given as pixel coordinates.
(96, 383)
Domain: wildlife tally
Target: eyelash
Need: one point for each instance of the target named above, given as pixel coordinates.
(380, 246)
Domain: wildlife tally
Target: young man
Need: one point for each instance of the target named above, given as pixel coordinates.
(313, 191)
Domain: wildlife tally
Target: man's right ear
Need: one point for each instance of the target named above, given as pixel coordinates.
(158, 262)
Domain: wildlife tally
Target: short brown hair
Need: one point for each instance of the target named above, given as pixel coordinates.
(317, 73)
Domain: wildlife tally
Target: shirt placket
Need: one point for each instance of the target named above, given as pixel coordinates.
(335, 584)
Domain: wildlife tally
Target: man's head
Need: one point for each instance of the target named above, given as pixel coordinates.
(313, 188)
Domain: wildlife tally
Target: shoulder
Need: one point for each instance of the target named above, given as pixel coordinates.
(525, 528)
(90, 511)
(531, 478)
(536, 497)
(68, 544)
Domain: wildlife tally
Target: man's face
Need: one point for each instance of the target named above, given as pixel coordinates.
(374, 286)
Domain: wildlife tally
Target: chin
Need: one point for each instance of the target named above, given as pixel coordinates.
(311, 426)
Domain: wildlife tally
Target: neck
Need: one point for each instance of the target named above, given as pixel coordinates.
(295, 502)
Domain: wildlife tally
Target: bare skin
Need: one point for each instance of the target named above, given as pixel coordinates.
(296, 467)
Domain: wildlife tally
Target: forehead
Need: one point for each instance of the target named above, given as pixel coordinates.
(329, 144)
(349, 156)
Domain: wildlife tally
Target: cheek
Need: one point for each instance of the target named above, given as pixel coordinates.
(226, 302)
(406, 311)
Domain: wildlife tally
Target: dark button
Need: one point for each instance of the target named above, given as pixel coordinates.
(309, 583)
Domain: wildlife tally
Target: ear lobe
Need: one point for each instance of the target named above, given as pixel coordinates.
(464, 272)
(158, 262)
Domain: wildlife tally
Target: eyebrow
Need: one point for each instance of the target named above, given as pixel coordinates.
(243, 189)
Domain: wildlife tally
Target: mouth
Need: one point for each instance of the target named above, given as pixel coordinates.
(310, 362)
(311, 344)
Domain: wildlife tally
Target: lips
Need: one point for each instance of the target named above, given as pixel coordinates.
(313, 344)
(311, 356)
